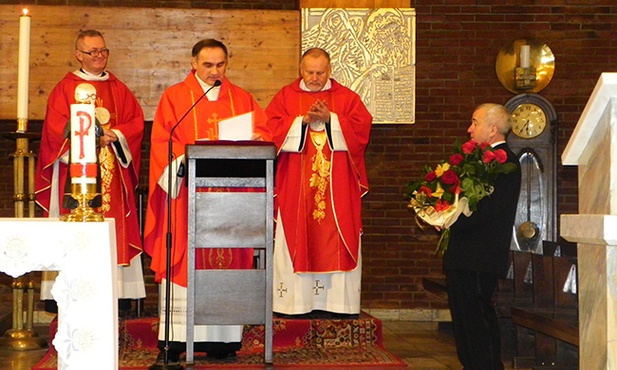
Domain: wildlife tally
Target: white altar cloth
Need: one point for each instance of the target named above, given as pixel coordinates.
(84, 253)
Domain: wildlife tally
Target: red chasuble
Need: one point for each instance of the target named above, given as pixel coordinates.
(201, 123)
(120, 111)
(319, 189)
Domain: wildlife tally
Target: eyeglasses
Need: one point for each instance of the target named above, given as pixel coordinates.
(95, 52)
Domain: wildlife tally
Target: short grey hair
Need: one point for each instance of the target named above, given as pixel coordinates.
(498, 115)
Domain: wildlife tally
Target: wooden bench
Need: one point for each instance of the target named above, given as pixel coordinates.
(510, 292)
(547, 330)
(436, 286)
(539, 321)
(558, 323)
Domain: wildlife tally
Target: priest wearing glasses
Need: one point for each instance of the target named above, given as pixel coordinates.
(121, 123)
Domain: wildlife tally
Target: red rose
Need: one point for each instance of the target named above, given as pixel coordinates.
(431, 176)
(488, 157)
(426, 190)
(484, 145)
(450, 177)
(442, 205)
(456, 159)
(469, 147)
(501, 156)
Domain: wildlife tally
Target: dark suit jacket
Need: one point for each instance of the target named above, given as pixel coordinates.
(481, 241)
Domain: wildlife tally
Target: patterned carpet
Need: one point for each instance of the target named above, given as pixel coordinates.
(299, 344)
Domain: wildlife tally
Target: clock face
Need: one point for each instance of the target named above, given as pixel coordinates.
(528, 121)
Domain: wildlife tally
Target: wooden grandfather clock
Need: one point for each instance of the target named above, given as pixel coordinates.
(525, 67)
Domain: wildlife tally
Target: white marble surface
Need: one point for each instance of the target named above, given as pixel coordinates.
(596, 236)
(85, 255)
(593, 148)
(604, 91)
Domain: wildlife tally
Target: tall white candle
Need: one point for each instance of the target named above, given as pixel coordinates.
(23, 71)
(83, 142)
(525, 51)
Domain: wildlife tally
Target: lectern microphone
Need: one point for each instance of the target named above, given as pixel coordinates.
(169, 238)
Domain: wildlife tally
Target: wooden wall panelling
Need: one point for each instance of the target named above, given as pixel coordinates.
(150, 49)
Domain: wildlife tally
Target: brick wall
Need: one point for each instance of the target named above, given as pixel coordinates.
(456, 50)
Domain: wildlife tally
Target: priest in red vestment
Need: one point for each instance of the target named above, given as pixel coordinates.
(209, 61)
(119, 153)
(321, 130)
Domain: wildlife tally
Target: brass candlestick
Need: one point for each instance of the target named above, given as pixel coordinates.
(83, 193)
(21, 336)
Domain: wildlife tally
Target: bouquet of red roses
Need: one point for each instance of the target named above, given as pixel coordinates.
(456, 186)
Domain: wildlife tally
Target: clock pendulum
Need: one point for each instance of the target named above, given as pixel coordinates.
(528, 231)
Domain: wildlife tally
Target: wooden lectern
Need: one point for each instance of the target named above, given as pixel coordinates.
(223, 218)
(593, 148)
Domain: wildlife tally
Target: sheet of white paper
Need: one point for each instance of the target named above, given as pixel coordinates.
(237, 128)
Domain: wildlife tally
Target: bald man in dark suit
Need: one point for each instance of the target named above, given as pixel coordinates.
(478, 252)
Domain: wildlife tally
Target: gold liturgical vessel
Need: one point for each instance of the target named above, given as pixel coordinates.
(83, 167)
(83, 193)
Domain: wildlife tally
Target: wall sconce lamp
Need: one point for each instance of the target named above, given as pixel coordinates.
(525, 66)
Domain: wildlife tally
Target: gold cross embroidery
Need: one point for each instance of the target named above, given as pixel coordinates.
(214, 120)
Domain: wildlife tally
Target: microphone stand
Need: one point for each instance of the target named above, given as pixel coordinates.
(169, 240)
